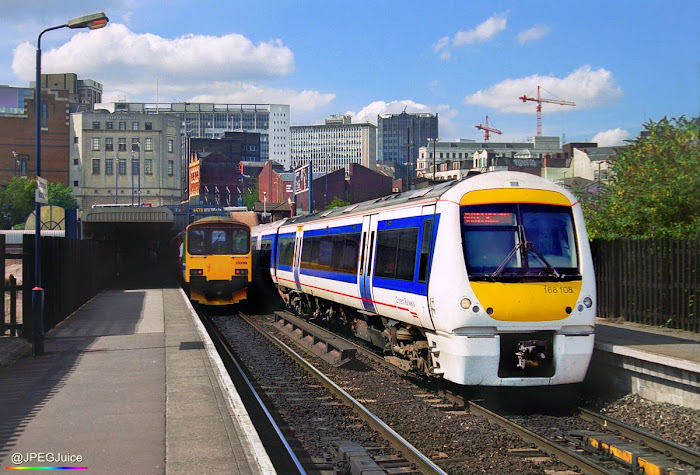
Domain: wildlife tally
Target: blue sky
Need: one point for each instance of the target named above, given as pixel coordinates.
(621, 62)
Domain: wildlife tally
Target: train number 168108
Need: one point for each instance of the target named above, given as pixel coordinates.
(558, 289)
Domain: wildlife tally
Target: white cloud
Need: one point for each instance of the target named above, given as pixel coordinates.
(196, 68)
(232, 93)
(611, 137)
(586, 87)
(370, 112)
(484, 31)
(532, 34)
(116, 52)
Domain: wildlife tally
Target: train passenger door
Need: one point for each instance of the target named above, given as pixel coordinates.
(296, 263)
(368, 244)
(426, 249)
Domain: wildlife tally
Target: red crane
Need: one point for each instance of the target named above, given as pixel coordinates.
(539, 101)
(487, 129)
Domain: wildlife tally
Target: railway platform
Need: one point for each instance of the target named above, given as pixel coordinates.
(661, 365)
(130, 383)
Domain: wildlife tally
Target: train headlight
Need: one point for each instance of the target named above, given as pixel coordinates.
(588, 302)
(465, 303)
(241, 271)
(196, 272)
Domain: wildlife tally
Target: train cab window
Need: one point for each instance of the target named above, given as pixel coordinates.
(506, 241)
(218, 241)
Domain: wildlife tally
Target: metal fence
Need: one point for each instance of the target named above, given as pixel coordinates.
(73, 271)
(652, 282)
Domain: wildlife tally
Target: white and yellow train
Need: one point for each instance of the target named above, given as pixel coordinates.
(484, 281)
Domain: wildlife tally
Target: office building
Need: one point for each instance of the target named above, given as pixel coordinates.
(125, 158)
(334, 145)
(399, 136)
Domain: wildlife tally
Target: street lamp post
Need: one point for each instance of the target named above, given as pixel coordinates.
(264, 205)
(93, 21)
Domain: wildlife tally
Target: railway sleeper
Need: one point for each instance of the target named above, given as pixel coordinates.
(353, 458)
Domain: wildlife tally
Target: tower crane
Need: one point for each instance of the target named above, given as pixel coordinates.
(486, 128)
(539, 101)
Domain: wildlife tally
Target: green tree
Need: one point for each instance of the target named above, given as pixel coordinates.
(17, 201)
(250, 196)
(654, 187)
(337, 202)
(60, 195)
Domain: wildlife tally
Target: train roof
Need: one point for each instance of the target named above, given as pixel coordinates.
(395, 199)
(218, 220)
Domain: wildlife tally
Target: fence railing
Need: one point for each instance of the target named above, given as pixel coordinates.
(73, 271)
(652, 282)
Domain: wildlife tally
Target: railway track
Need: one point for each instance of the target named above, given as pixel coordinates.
(381, 451)
(611, 447)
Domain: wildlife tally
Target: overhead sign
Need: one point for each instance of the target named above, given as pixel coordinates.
(301, 179)
(42, 191)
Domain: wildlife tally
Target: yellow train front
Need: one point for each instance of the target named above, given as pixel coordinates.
(216, 261)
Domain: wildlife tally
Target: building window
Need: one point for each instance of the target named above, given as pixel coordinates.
(134, 126)
(75, 183)
(109, 143)
(95, 166)
(135, 166)
(135, 145)
(148, 145)
(95, 143)
(109, 166)
(109, 125)
(75, 140)
(122, 166)
(171, 146)
(171, 165)
(149, 125)
(122, 144)
(76, 162)
(95, 125)
(148, 166)
(122, 125)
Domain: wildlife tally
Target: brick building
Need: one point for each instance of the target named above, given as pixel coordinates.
(18, 135)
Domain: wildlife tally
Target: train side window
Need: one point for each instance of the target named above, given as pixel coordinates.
(286, 251)
(396, 253)
(425, 250)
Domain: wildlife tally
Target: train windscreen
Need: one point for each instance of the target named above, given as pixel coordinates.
(519, 241)
(218, 240)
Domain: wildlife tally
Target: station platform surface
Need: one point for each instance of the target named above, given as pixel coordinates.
(667, 347)
(130, 383)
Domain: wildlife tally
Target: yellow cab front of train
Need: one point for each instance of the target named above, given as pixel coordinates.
(216, 261)
(514, 300)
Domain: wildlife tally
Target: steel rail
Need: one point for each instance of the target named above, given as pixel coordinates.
(231, 360)
(569, 457)
(420, 461)
(655, 442)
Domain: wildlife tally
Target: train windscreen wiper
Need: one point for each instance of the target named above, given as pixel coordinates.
(531, 247)
(497, 273)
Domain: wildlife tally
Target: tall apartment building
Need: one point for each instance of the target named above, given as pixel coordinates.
(125, 158)
(209, 120)
(334, 145)
(399, 136)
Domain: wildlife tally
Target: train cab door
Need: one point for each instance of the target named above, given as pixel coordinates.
(427, 247)
(368, 245)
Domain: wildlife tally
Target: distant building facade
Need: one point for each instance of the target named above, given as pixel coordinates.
(209, 120)
(334, 145)
(400, 136)
(215, 172)
(455, 160)
(18, 134)
(83, 94)
(125, 158)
